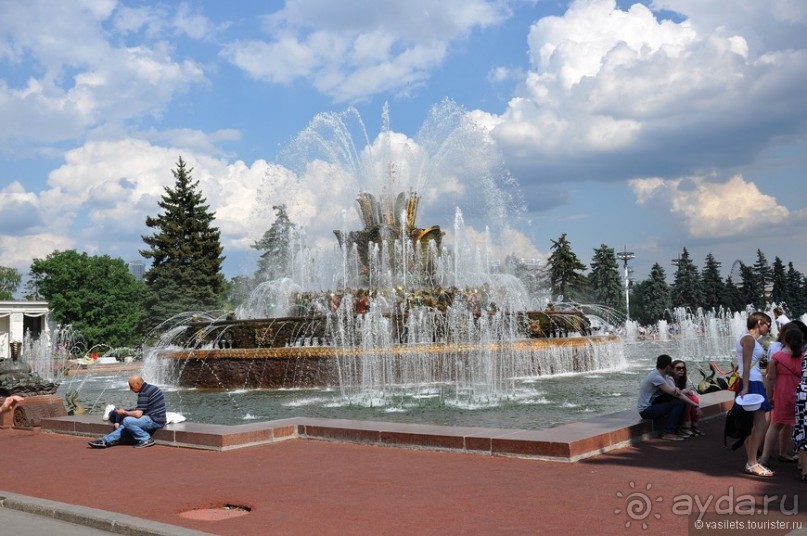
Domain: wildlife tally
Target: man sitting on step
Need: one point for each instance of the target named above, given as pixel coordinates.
(138, 423)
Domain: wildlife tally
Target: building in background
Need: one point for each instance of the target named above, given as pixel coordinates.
(21, 318)
(137, 269)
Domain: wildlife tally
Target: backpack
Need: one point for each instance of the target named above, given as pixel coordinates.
(738, 426)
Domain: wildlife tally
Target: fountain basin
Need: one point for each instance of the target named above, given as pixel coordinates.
(321, 366)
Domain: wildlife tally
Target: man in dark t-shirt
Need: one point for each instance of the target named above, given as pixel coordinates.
(138, 423)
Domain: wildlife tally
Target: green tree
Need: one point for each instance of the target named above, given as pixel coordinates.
(237, 292)
(779, 292)
(713, 290)
(604, 282)
(686, 289)
(565, 270)
(752, 290)
(185, 252)
(530, 275)
(732, 297)
(796, 291)
(95, 294)
(10, 280)
(276, 247)
(764, 274)
(651, 297)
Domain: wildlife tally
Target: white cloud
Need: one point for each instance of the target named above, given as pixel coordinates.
(715, 209)
(99, 198)
(20, 251)
(352, 50)
(80, 75)
(613, 94)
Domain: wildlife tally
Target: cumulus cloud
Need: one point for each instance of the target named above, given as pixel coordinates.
(613, 94)
(715, 209)
(82, 76)
(98, 199)
(351, 50)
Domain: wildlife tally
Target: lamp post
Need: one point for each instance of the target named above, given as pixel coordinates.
(625, 256)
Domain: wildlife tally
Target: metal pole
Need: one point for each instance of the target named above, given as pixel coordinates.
(625, 256)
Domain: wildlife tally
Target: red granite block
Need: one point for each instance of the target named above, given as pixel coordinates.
(527, 447)
(437, 441)
(198, 439)
(479, 444)
(247, 438)
(92, 428)
(342, 434)
(591, 444)
(6, 419)
(59, 426)
(284, 432)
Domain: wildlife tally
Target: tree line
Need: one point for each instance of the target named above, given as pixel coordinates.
(753, 285)
(97, 295)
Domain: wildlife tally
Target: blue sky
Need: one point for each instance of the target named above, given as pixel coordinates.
(654, 126)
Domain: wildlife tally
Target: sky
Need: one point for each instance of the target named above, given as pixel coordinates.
(648, 127)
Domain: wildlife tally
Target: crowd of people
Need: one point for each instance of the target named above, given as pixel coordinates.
(777, 374)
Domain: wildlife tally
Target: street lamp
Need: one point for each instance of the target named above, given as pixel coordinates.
(625, 256)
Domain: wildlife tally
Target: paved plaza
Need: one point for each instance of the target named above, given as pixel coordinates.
(303, 486)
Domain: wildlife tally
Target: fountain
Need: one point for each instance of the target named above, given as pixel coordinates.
(394, 309)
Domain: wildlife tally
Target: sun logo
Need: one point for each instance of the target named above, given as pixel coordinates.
(638, 505)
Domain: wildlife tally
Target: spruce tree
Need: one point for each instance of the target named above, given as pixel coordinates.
(732, 296)
(764, 275)
(655, 297)
(779, 294)
(276, 247)
(605, 284)
(565, 277)
(185, 252)
(712, 284)
(796, 291)
(752, 289)
(687, 287)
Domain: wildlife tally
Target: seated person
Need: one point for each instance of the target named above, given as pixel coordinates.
(138, 423)
(692, 414)
(658, 398)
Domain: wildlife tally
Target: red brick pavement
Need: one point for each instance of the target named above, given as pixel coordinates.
(313, 487)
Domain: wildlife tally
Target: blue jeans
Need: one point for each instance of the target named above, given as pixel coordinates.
(673, 410)
(140, 429)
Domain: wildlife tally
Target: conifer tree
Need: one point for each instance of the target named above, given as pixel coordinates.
(764, 274)
(276, 247)
(732, 297)
(779, 292)
(185, 252)
(686, 290)
(605, 284)
(752, 290)
(796, 291)
(565, 277)
(712, 285)
(652, 297)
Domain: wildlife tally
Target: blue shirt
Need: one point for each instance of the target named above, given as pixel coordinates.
(151, 402)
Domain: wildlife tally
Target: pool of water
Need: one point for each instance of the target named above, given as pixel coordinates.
(535, 403)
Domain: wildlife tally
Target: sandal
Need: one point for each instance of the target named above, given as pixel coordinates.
(787, 459)
(697, 431)
(758, 470)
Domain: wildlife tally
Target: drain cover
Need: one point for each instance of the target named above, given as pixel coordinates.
(227, 511)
